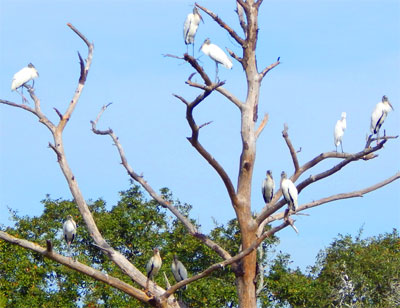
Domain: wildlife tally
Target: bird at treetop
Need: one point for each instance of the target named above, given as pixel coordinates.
(379, 115)
(69, 230)
(178, 270)
(154, 264)
(190, 27)
(289, 191)
(23, 76)
(339, 131)
(268, 187)
(217, 54)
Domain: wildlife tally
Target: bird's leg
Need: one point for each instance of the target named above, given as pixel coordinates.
(216, 72)
(33, 83)
(377, 137)
(193, 50)
(187, 48)
(336, 147)
(24, 100)
(341, 145)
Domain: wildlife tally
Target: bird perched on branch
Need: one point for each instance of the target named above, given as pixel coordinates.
(190, 27)
(178, 270)
(217, 54)
(379, 115)
(23, 76)
(154, 264)
(69, 230)
(268, 187)
(289, 192)
(339, 131)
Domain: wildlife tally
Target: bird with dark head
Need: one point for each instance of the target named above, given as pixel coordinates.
(379, 115)
(289, 191)
(69, 230)
(154, 264)
(217, 54)
(23, 76)
(268, 187)
(190, 27)
(178, 270)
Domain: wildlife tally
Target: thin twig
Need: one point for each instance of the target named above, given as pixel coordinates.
(285, 135)
(268, 68)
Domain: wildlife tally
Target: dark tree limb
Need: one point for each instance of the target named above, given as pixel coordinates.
(293, 153)
(223, 25)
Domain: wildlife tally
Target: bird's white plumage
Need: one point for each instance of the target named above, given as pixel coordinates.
(379, 114)
(154, 264)
(216, 53)
(268, 187)
(340, 127)
(289, 192)
(26, 74)
(178, 270)
(69, 230)
(190, 27)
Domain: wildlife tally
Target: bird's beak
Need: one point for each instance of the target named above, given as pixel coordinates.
(391, 105)
(201, 18)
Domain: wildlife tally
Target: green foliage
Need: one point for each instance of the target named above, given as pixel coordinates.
(134, 227)
(349, 273)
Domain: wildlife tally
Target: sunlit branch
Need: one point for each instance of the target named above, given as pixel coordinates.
(49, 253)
(262, 125)
(158, 198)
(240, 13)
(268, 68)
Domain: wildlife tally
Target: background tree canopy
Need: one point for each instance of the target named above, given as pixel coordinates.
(355, 272)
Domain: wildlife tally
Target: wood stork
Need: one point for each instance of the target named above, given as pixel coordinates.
(154, 264)
(339, 131)
(69, 230)
(190, 27)
(289, 192)
(379, 115)
(23, 76)
(217, 54)
(268, 187)
(178, 270)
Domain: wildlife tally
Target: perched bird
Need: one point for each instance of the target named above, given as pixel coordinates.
(289, 191)
(23, 76)
(339, 131)
(268, 187)
(154, 264)
(379, 115)
(69, 230)
(190, 27)
(178, 270)
(217, 54)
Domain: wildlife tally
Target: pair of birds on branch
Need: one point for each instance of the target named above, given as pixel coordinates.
(378, 116)
(153, 266)
(213, 51)
(289, 190)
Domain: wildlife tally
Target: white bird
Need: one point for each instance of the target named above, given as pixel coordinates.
(217, 54)
(268, 187)
(23, 76)
(154, 264)
(339, 131)
(178, 270)
(379, 115)
(289, 191)
(190, 27)
(69, 230)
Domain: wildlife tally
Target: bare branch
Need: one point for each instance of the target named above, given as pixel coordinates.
(82, 79)
(77, 266)
(285, 135)
(262, 125)
(186, 222)
(193, 62)
(240, 13)
(220, 90)
(233, 55)
(219, 21)
(268, 68)
(58, 113)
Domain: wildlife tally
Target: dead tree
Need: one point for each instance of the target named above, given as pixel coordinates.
(252, 227)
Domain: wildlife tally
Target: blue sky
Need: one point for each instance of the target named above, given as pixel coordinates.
(335, 56)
